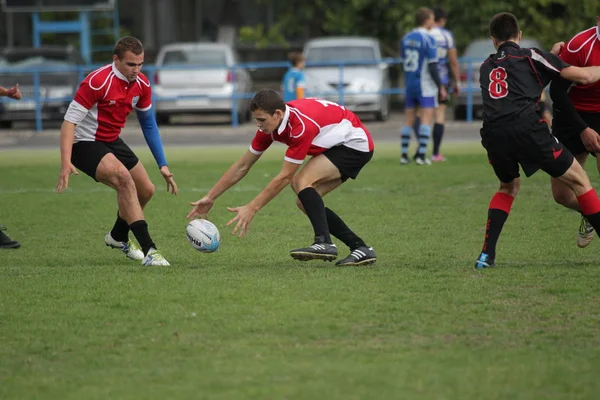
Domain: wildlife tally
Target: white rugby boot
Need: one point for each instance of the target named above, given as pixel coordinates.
(130, 248)
(586, 233)
(154, 258)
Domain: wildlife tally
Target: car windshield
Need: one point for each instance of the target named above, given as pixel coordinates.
(340, 53)
(483, 48)
(195, 57)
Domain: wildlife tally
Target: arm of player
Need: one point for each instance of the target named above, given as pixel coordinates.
(246, 213)
(152, 137)
(453, 57)
(12, 93)
(435, 75)
(582, 75)
(67, 133)
(233, 175)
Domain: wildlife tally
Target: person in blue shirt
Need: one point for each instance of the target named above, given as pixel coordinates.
(423, 84)
(294, 83)
(447, 63)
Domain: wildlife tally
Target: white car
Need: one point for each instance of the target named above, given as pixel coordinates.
(362, 79)
(194, 78)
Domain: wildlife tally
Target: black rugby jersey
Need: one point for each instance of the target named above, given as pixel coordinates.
(512, 81)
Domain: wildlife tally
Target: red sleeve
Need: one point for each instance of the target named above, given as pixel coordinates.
(572, 58)
(261, 142)
(298, 149)
(86, 96)
(145, 101)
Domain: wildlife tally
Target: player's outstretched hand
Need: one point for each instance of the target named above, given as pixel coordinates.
(242, 219)
(591, 140)
(63, 178)
(171, 185)
(201, 208)
(443, 93)
(557, 48)
(14, 92)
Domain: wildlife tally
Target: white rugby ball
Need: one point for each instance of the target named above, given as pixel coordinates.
(203, 235)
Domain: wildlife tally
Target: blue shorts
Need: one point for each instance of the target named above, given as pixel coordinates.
(415, 99)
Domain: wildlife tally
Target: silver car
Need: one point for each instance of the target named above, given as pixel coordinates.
(475, 53)
(193, 78)
(361, 80)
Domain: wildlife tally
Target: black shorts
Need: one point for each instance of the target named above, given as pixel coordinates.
(529, 144)
(347, 160)
(87, 155)
(568, 135)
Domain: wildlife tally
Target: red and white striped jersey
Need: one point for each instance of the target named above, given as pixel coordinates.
(583, 50)
(103, 101)
(311, 126)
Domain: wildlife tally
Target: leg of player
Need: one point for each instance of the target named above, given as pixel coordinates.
(409, 121)
(113, 173)
(424, 135)
(498, 211)
(564, 196)
(589, 204)
(6, 242)
(360, 253)
(438, 132)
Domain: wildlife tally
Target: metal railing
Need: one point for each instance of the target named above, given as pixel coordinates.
(36, 100)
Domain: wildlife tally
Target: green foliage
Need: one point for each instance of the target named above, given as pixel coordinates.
(548, 21)
(261, 38)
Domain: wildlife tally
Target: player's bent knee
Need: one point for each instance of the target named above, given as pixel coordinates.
(145, 193)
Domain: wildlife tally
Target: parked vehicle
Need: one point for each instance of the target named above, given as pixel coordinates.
(475, 53)
(194, 78)
(59, 79)
(361, 79)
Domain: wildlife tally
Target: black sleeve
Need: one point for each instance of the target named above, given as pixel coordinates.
(435, 74)
(559, 92)
(547, 65)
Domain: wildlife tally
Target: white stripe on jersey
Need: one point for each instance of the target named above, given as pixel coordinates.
(86, 130)
(539, 58)
(342, 133)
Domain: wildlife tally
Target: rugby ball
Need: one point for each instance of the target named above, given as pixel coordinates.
(203, 235)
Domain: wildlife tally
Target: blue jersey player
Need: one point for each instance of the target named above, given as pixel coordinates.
(294, 83)
(423, 85)
(447, 66)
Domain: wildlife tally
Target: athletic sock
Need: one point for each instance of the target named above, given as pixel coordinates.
(590, 208)
(339, 229)
(497, 214)
(315, 209)
(140, 230)
(405, 140)
(424, 136)
(438, 133)
(120, 231)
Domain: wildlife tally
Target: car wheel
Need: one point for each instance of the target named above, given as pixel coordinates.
(163, 119)
(384, 113)
(6, 124)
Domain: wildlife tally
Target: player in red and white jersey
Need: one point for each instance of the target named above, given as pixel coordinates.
(576, 117)
(339, 146)
(90, 142)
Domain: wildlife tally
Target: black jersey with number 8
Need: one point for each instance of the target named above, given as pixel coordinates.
(512, 81)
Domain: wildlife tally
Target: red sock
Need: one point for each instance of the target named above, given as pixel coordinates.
(589, 202)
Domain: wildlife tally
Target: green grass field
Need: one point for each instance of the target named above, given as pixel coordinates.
(80, 321)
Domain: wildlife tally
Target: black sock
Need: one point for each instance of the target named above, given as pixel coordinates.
(438, 132)
(416, 127)
(120, 231)
(495, 223)
(315, 209)
(340, 230)
(140, 230)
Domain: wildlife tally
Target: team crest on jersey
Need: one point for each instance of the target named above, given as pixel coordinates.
(135, 100)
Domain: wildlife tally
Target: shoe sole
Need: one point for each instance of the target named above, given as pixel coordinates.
(360, 263)
(10, 247)
(304, 256)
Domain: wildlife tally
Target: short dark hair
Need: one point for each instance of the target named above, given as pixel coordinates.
(296, 57)
(504, 26)
(439, 13)
(267, 100)
(422, 15)
(128, 43)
